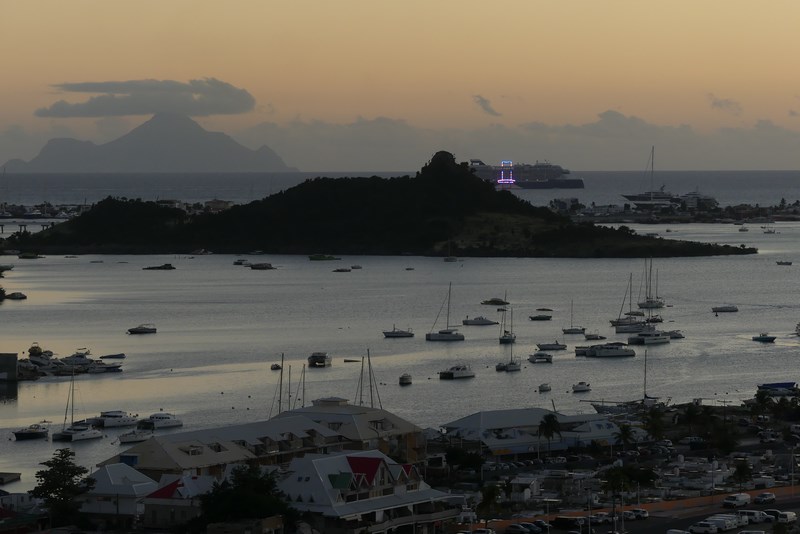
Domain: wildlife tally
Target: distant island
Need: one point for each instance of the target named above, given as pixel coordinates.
(445, 210)
(166, 143)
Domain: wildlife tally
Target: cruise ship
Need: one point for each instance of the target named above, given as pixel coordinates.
(539, 175)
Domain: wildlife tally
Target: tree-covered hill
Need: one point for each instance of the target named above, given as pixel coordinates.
(442, 210)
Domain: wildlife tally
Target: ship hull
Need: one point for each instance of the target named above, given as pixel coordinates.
(558, 183)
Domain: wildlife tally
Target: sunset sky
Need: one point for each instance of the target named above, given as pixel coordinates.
(383, 84)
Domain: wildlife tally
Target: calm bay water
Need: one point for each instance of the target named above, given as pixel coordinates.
(220, 327)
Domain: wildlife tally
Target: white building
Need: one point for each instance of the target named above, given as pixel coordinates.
(355, 492)
(115, 499)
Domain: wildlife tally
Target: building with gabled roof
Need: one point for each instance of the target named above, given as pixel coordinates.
(364, 491)
(176, 501)
(115, 498)
(516, 431)
(366, 428)
(212, 451)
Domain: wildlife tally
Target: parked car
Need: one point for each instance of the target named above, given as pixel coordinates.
(737, 500)
(764, 498)
(516, 529)
(772, 513)
(787, 517)
(542, 524)
(703, 527)
(640, 513)
(533, 529)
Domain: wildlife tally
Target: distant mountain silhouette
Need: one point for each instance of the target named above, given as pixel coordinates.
(166, 143)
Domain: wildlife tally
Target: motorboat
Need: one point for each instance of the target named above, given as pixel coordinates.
(319, 359)
(241, 261)
(631, 328)
(513, 366)
(783, 262)
(675, 334)
(16, 295)
(342, 270)
(163, 267)
(544, 388)
(581, 350)
(500, 366)
(551, 346)
(456, 372)
(478, 321)
(114, 418)
(744, 229)
(79, 359)
(609, 350)
(540, 357)
(263, 267)
(397, 332)
(405, 379)
(540, 317)
(159, 420)
(654, 319)
(147, 328)
(725, 309)
(100, 366)
(593, 336)
(134, 436)
(495, 301)
(448, 333)
(118, 356)
(275, 367)
(649, 337)
(34, 431)
(764, 337)
(581, 387)
(356, 267)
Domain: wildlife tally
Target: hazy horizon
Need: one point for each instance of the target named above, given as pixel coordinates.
(358, 85)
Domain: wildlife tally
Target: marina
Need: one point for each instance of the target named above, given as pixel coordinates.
(220, 329)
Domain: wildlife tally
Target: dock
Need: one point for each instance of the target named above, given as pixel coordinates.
(5, 478)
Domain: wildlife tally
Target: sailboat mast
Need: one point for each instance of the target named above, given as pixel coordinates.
(449, 292)
(652, 169)
(369, 370)
(280, 388)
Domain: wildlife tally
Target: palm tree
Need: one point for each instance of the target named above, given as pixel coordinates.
(624, 435)
(654, 423)
(691, 414)
(549, 427)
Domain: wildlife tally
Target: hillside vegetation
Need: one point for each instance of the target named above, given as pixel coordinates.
(443, 210)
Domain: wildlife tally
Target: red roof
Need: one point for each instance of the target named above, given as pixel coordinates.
(365, 465)
(168, 491)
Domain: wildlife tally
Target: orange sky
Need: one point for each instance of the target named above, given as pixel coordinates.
(554, 62)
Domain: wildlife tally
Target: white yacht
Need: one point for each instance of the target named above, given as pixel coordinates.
(114, 418)
(649, 337)
(77, 431)
(572, 328)
(135, 436)
(147, 328)
(456, 372)
(540, 357)
(545, 387)
(581, 387)
(160, 420)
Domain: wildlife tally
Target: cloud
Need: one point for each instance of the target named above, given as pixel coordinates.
(725, 104)
(613, 141)
(485, 105)
(197, 98)
(793, 113)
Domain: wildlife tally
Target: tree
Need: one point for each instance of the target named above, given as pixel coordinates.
(59, 484)
(624, 435)
(248, 494)
(742, 474)
(549, 427)
(654, 423)
(691, 414)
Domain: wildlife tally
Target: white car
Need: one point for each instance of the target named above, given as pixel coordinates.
(640, 513)
(703, 527)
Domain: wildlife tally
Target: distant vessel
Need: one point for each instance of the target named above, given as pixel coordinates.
(539, 175)
(319, 359)
(397, 332)
(405, 379)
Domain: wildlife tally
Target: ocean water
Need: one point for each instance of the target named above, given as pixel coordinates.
(221, 326)
(765, 188)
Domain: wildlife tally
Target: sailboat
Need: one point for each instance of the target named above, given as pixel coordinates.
(572, 328)
(75, 431)
(446, 334)
(631, 322)
(651, 301)
(654, 199)
(507, 336)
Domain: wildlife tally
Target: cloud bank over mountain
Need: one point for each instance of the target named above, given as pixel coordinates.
(196, 98)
